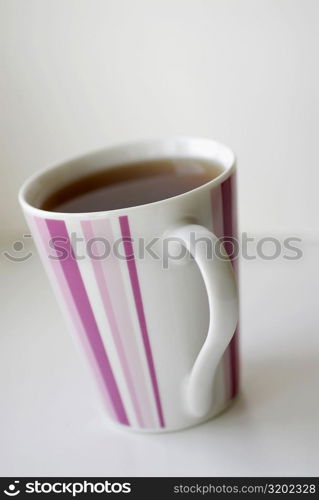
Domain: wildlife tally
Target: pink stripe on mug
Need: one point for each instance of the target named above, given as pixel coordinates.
(230, 230)
(111, 267)
(53, 267)
(129, 252)
(58, 231)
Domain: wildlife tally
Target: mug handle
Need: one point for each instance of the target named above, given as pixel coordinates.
(222, 295)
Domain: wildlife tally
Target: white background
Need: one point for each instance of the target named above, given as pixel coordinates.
(78, 75)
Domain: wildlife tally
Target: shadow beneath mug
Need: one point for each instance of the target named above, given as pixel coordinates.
(272, 379)
(276, 406)
(280, 390)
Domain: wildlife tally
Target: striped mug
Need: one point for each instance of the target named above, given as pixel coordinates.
(162, 341)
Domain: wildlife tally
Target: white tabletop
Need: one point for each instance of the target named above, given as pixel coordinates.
(52, 422)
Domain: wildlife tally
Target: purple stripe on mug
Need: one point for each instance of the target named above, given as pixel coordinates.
(117, 312)
(130, 259)
(218, 230)
(58, 231)
(113, 275)
(53, 268)
(228, 194)
(108, 307)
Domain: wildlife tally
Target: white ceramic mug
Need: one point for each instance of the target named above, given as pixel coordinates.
(162, 342)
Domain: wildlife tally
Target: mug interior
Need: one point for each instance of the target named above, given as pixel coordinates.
(42, 184)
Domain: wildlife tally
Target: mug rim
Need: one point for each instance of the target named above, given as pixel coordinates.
(223, 155)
